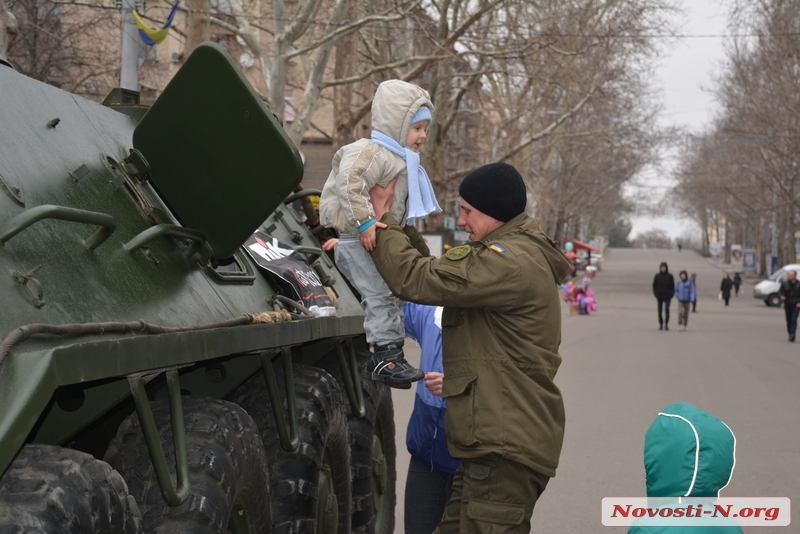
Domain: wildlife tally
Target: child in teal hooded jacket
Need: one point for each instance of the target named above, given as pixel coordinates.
(687, 453)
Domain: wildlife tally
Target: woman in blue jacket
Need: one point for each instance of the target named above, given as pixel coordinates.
(685, 292)
(430, 472)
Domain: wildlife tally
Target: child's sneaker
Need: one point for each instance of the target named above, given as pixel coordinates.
(388, 365)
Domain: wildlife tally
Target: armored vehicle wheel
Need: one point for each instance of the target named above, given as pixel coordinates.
(384, 457)
(228, 476)
(51, 489)
(372, 453)
(310, 487)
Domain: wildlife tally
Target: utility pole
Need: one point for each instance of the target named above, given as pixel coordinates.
(129, 48)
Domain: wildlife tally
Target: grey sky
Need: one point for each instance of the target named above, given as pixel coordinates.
(685, 75)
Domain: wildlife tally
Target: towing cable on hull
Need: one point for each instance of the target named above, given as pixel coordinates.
(24, 332)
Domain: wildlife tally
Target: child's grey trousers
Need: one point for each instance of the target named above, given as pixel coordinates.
(383, 312)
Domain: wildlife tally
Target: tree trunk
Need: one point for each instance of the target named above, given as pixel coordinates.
(344, 67)
(761, 249)
(198, 28)
(313, 86)
(727, 258)
(790, 224)
(787, 253)
(8, 28)
(436, 167)
(277, 76)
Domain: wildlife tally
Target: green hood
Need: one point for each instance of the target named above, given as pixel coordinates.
(560, 266)
(688, 452)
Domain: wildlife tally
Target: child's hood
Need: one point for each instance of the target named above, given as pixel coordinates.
(394, 105)
(688, 452)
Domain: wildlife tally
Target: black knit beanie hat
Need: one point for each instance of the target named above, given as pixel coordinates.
(496, 189)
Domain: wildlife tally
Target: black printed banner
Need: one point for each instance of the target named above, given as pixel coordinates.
(290, 270)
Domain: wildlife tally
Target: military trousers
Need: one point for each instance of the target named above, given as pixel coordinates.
(492, 494)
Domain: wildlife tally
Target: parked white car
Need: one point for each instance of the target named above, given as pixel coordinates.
(767, 290)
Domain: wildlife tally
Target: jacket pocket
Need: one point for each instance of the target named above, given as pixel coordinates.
(452, 317)
(460, 394)
(496, 512)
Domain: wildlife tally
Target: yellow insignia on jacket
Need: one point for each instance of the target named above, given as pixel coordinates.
(497, 247)
(458, 253)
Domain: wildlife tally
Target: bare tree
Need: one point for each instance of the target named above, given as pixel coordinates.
(655, 238)
(300, 35)
(198, 24)
(557, 88)
(744, 173)
(576, 111)
(64, 45)
(8, 28)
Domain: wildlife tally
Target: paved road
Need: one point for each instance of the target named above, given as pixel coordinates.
(619, 370)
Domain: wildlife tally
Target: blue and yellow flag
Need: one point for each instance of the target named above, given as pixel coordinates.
(151, 36)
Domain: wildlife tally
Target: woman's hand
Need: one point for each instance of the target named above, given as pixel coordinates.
(433, 381)
(328, 245)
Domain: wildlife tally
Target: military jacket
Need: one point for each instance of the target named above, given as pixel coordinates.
(501, 329)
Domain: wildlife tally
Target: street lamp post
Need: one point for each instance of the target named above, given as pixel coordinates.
(129, 48)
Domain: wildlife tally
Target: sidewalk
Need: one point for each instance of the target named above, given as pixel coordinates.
(726, 267)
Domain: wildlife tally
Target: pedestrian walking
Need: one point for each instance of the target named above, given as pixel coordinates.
(725, 288)
(693, 278)
(501, 334)
(684, 291)
(737, 282)
(790, 295)
(663, 290)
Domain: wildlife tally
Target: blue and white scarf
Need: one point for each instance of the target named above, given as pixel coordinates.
(421, 198)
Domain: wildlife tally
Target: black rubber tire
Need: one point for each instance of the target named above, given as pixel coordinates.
(774, 300)
(228, 475)
(322, 426)
(385, 430)
(55, 490)
(379, 408)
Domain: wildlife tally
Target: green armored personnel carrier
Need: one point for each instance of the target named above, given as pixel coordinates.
(162, 368)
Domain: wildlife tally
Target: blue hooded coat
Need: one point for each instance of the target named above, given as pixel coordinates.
(685, 291)
(425, 437)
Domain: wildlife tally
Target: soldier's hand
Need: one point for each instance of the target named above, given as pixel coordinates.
(382, 197)
(434, 381)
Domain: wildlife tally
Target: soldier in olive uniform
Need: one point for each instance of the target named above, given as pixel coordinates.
(501, 330)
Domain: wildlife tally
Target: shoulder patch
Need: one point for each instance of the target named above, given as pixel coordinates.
(497, 247)
(458, 253)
